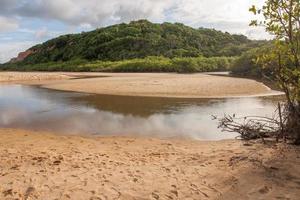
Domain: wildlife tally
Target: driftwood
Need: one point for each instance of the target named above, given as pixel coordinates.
(255, 127)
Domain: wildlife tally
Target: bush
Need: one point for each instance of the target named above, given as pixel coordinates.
(247, 64)
(148, 64)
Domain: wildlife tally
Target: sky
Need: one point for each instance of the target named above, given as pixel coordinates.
(24, 23)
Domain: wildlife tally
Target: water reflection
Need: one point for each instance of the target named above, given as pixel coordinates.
(73, 113)
(141, 106)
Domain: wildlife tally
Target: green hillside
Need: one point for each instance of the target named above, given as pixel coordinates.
(136, 40)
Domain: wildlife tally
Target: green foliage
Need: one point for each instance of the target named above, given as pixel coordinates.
(139, 39)
(148, 64)
(282, 19)
(250, 63)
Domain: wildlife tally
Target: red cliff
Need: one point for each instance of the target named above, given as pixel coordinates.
(21, 56)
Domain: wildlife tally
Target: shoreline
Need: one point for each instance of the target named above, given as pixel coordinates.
(46, 165)
(40, 165)
(168, 85)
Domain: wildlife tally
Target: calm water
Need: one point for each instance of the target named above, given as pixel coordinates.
(73, 113)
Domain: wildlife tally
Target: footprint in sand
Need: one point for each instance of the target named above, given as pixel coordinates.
(175, 192)
(8, 192)
(56, 162)
(29, 192)
(95, 198)
(264, 190)
(135, 180)
(155, 195)
(197, 190)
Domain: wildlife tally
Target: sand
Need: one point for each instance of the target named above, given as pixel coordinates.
(38, 165)
(31, 76)
(48, 166)
(150, 84)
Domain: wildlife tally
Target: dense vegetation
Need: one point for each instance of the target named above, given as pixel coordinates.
(249, 63)
(149, 64)
(134, 46)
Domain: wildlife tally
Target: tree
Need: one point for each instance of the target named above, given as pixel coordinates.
(281, 18)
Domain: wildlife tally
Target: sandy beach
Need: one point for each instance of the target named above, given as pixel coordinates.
(146, 84)
(48, 166)
(42, 165)
(149, 100)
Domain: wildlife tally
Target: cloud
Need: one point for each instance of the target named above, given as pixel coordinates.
(7, 24)
(231, 16)
(93, 12)
(7, 6)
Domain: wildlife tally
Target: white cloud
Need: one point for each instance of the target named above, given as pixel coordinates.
(214, 10)
(257, 33)
(231, 16)
(12, 49)
(93, 12)
(7, 24)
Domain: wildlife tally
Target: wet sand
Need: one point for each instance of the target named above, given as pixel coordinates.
(144, 84)
(7, 77)
(48, 166)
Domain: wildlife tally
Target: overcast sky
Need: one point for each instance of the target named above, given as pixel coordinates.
(24, 23)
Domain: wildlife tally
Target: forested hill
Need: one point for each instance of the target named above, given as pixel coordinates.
(138, 39)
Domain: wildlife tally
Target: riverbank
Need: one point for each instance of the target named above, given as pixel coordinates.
(8, 77)
(48, 166)
(143, 84)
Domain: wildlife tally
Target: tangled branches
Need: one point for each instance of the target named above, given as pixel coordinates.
(255, 127)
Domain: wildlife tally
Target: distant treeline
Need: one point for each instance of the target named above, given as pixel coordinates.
(148, 64)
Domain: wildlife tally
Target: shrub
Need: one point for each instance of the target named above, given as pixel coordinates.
(148, 64)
